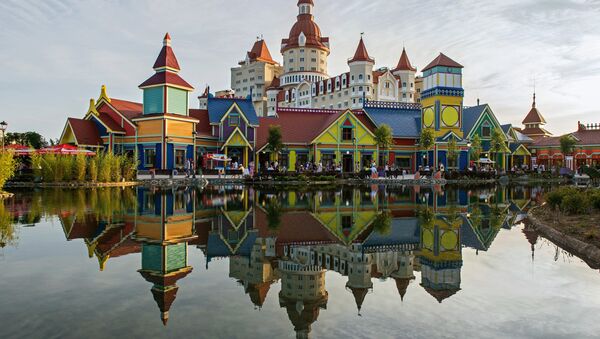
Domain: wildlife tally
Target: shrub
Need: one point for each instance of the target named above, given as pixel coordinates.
(92, 169)
(104, 167)
(575, 203)
(130, 166)
(80, 167)
(36, 165)
(594, 197)
(66, 163)
(115, 167)
(8, 165)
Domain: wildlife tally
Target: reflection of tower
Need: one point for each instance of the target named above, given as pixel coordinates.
(404, 274)
(441, 257)
(302, 293)
(532, 236)
(255, 272)
(164, 227)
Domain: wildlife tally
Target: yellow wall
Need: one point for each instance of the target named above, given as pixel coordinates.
(149, 127)
(179, 128)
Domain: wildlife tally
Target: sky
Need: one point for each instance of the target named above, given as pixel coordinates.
(57, 53)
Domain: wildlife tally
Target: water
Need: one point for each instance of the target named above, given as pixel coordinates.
(232, 262)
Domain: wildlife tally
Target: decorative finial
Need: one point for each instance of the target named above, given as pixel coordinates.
(533, 105)
(92, 108)
(103, 94)
(167, 40)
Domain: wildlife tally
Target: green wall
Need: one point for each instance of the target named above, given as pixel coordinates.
(177, 102)
(153, 100)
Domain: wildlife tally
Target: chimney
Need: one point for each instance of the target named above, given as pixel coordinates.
(477, 101)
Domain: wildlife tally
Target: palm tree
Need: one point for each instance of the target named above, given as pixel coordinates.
(274, 140)
(567, 145)
(427, 140)
(383, 137)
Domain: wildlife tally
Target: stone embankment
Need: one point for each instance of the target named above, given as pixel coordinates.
(586, 252)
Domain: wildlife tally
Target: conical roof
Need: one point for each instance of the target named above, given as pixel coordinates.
(404, 63)
(534, 116)
(166, 57)
(361, 53)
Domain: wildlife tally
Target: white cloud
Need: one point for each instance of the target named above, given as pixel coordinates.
(57, 53)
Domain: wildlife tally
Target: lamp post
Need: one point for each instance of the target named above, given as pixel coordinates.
(3, 126)
(194, 155)
(468, 154)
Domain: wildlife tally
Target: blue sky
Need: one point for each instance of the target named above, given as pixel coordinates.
(57, 53)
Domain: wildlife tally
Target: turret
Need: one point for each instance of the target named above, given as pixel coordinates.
(272, 92)
(442, 96)
(166, 91)
(406, 74)
(361, 75)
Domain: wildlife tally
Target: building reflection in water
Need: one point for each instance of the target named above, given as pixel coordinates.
(295, 237)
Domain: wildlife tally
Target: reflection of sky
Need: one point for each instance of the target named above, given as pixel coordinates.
(50, 287)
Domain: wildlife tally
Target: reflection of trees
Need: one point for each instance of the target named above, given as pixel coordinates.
(383, 223)
(8, 235)
(274, 214)
(426, 216)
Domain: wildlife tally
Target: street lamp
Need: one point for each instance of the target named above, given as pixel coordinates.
(3, 126)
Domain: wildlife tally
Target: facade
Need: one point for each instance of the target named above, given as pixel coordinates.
(254, 75)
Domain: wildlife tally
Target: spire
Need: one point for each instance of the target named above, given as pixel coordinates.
(533, 105)
(92, 108)
(166, 59)
(361, 53)
(103, 94)
(404, 63)
(260, 52)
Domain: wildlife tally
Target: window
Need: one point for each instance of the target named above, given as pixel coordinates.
(486, 130)
(301, 59)
(346, 221)
(360, 77)
(403, 163)
(179, 158)
(347, 134)
(150, 157)
(234, 120)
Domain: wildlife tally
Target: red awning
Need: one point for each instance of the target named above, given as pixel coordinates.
(65, 149)
(20, 149)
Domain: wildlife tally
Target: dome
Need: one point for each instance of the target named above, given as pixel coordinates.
(307, 26)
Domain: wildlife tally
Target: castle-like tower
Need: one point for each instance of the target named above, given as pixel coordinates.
(305, 51)
(442, 96)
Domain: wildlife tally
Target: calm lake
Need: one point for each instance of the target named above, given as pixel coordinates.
(239, 262)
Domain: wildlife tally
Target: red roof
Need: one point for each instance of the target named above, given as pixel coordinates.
(166, 78)
(361, 53)
(404, 63)
(308, 2)
(110, 123)
(534, 117)
(305, 24)
(203, 128)
(584, 137)
(289, 120)
(533, 132)
(260, 52)
(275, 84)
(166, 57)
(85, 131)
(442, 60)
(129, 109)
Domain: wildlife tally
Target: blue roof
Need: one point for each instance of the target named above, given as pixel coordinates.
(506, 128)
(405, 123)
(469, 238)
(217, 107)
(405, 231)
(470, 117)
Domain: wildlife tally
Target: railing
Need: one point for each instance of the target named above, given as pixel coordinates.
(392, 105)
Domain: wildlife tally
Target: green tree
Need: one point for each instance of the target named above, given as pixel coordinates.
(476, 149)
(32, 139)
(274, 214)
(92, 169)
(274, 140)
(497, 145)
(567, 145)
(427, 140)
(452, 151)
(383, 137)
(80, 167)
(8, 165)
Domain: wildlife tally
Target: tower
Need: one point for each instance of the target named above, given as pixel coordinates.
(165, 123)
(305, 51)
(361, 75)
(534, 122)
(272, 92)
(166, 91)
(406, 72)
(442, 96)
